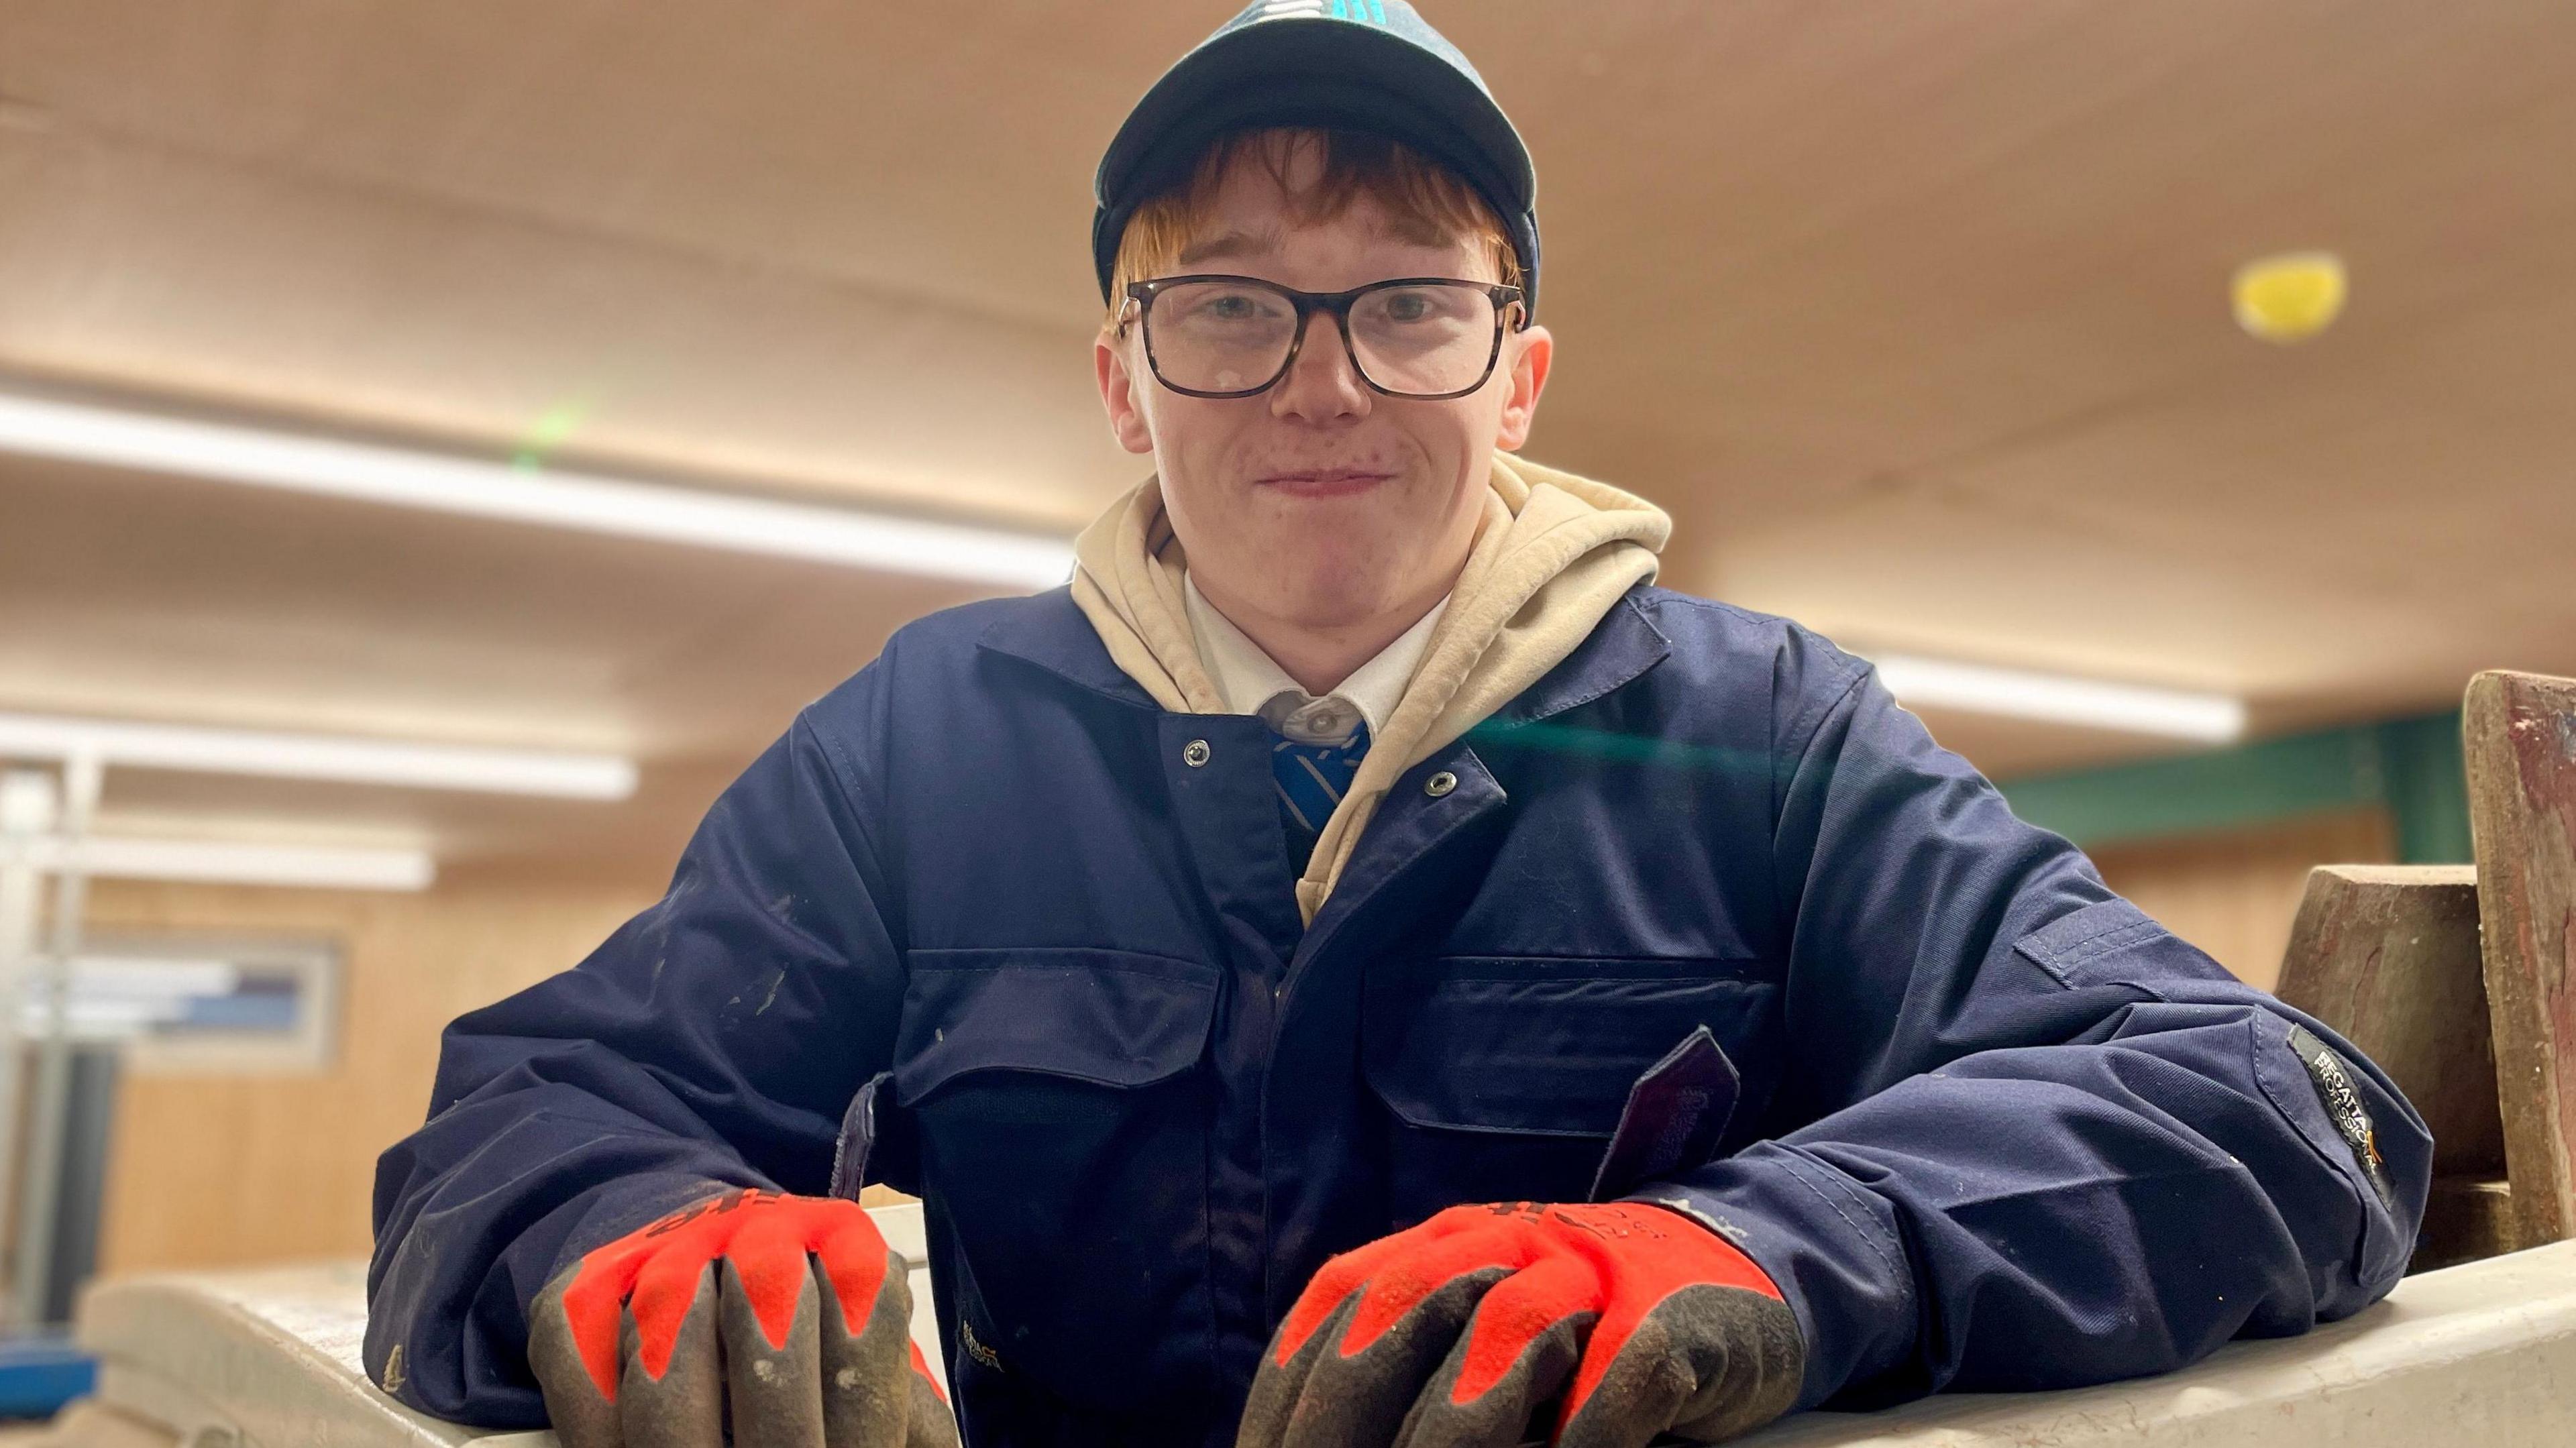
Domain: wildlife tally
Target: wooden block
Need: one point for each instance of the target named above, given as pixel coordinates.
(2388, 956)
(2464, 1221)
(2519, 731)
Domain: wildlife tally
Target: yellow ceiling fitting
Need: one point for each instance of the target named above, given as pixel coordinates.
(2291, 297)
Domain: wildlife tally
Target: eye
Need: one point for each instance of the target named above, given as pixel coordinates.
(1231, 306)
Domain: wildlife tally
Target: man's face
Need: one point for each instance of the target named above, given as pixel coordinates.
(1321, 503)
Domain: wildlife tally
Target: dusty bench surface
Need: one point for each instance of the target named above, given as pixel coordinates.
(271, 1358)
(2482, 1353)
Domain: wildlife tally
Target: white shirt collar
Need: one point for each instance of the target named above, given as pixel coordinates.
(1253, 683)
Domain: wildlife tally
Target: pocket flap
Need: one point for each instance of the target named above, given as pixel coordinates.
(2093, 945)
(1534, 1055)
(1107, 1017)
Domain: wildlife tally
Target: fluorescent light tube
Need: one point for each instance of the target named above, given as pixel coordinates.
(95, 1020)
(2208, 718)
(314, 756)
(116, 977)
(367, 472)
(218, 862)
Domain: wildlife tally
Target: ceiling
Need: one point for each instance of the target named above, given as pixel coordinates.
(1914, 316)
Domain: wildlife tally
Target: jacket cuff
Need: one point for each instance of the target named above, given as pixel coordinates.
(1830, 1246)
(628, 1203)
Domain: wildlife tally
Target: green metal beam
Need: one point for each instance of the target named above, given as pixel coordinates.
(2410, 767)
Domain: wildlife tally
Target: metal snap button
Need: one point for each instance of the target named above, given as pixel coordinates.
(1439, 784)
(1194, 753)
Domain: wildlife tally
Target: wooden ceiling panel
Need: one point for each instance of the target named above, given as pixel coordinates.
(201, 602)
(821, 137)
(160, 274)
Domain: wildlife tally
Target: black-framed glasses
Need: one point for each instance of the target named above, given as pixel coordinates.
(1428, 338)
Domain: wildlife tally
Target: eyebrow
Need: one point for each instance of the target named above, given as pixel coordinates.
(1230, 243)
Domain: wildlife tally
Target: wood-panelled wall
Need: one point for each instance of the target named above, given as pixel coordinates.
(220, 1170)
(2235, 893)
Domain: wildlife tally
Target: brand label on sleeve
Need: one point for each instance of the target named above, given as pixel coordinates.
(2343, 1104)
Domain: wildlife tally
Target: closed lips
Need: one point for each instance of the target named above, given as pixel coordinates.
(1326, 480)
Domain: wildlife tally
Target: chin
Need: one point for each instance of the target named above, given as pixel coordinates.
(1332, 593)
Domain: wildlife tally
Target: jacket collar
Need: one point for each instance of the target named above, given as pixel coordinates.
(1620, 649)
(1050, 632)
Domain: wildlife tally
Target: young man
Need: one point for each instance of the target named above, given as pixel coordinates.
(1361, 966)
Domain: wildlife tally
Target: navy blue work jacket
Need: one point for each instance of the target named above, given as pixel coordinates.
(992, 910)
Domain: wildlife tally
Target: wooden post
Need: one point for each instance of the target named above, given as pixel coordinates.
(2387, 955)
(2519, 733)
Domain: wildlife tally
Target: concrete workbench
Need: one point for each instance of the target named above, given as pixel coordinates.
(2482, 1353)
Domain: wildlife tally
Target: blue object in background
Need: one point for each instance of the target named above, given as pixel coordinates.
(38, 1375)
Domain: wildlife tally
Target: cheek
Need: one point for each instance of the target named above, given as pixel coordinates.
(1192, 435)
(1451, 437)
(1190, 456)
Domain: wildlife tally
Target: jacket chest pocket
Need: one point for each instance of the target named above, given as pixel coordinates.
(1062, 1115)
(1506, 1079)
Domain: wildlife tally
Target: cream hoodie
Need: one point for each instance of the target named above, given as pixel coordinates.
(1553, 553)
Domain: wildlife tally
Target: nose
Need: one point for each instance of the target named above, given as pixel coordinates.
(1322, 384)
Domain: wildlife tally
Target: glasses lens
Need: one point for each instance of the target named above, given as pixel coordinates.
(1219, 336)
(1424, 339)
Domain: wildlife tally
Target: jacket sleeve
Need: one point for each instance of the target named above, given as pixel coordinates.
(714, 1039)
(2030, 1138)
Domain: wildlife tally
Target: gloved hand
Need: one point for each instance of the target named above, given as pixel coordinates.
(1629, 1320)
(792, 1307)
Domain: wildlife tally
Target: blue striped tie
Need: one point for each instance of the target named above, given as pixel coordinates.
(1312, 778)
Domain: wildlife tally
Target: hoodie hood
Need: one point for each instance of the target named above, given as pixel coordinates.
(1552, 554)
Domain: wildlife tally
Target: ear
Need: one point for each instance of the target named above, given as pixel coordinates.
(1118, 393)
(1527, 354)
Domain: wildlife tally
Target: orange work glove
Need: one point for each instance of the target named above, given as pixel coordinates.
(792, 1307)
(1627, 1320)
